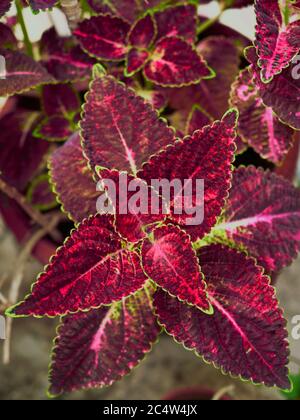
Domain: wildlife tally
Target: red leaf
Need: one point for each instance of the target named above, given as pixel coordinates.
(174, 62)
(131, 219)
(40, 194)
(20, 153)
(135, 61)
(178, 20)
(90, 270)
(103, 37)
(60, 99)
(73, 180)
(247, 334)
(143, 32)
(63, 59)
(54, 128)
(207, 155)
(263, 215)
(281, 94)
(258, 125)
(170, 261)
(97, 348)
(22, 73)
(276, 43)
(120, 130)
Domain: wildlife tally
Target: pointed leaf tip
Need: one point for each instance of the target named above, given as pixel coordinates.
(231, 117)
(99, 71)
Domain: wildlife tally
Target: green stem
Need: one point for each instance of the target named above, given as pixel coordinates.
(21, 21)
(208, 23)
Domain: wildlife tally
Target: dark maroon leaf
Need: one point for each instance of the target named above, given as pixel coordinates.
(277, 43)
(207, 156)
(97, 348)
(20, 153)
(7, 37)
(258, 125)
(197, 120)
(60, 99)
(263, 216)
(38, 5)
(120, 130)
(22, 73)
(131, 216)
(282, 93)
(174, 62)
(90, 270)
(63, 59)
(212, 96)
(40, 194)
(73, 180)
(53, 128)
(143, 32)
(169, 260)
(104, 37)
(4, 6)
(246, 336)
(129, 10)
(136, 60)
(178, 20)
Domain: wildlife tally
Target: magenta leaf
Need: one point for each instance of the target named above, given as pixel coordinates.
(277, 43)
(135, 61)
(143, 32)
(281, 94)
(4, 7)
(129, 10)
(120, 130)
(7, 37)
(40, 194)
(60, 99)
(22, 73)
(131, 217)
(73, 180)
(170, 261)
(20, 153)
(246, 336)
(54, 128)
(178, 20)
(97, 348)
(263, 216)
(197, 120)
(38, 5)
(174, 62)
(258, 125)
(104, 37)
(90, 270)
(207, 156)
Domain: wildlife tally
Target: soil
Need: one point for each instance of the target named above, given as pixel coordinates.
(168, 367)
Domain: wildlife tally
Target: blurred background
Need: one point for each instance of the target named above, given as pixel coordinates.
(169, 367)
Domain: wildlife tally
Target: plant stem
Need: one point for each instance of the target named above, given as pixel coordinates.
(34, 214)
(21, 21)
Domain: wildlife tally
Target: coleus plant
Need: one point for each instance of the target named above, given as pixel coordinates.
(166, 102)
